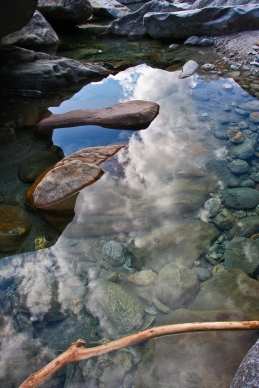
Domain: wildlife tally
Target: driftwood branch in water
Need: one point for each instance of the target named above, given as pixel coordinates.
(77, 351)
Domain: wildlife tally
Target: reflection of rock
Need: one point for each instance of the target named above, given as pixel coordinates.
(13, 229)
(124, 312)
(109, 8)
(228, 290)
(38, 32)
(195, 359)
(176, 284)
(110, 369)
(54, 194)
(132, 114)
(65, 12)
(204, 21)
(242, 253)
(34, 165)
(25, 70)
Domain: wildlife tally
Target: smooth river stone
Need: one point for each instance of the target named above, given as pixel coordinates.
(176, 284)
(124, 311)
(135, 114)
(242, 253)
(246, 227)
(143, 278)
(240, 198)
(189, 69)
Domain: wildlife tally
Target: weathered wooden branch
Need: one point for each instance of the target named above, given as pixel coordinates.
(77, 351)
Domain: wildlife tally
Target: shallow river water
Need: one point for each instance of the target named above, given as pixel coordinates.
(141, 249)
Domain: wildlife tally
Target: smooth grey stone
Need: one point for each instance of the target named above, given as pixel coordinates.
(254, 176)
(221, 135)
(212, 206)
(247, 183)
(240, 198)
(161, 307)
(245, 227)
(113, 253)
(234, 67)
(192, 41)
(173, 47)
(243, 125)
(238, 167)
(205, 42)
(202, 273)
(242, 253)
(244, 150)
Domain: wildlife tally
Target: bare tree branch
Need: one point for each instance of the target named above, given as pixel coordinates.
(77, 351)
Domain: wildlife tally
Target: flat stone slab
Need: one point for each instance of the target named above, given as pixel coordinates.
(135, 114)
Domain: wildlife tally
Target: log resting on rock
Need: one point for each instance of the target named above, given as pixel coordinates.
(135, 114)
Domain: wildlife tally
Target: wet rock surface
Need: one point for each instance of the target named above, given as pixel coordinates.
(38, 32)
(242, 253)
(71, 12)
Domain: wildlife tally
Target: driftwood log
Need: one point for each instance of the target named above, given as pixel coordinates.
(77, 351)
(136, 114)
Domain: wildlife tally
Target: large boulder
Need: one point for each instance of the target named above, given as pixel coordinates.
(31, 73)
(109, 8)
(207, 359)
(135, 114)
(54, 193)
(132, 24)
(15, 14)
(206, 21)
(65, 12)
(38, 32)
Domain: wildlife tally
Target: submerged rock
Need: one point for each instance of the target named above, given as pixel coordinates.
(246, 227)
(244, 150)
(136, 114)
(65, 12)
(38, 32)
(238, 167)
(113, 253)
(224, 220)
(124, 312)
(176, 284)
(242, 253)
(195, 359)
(240, 198)
(34, 165)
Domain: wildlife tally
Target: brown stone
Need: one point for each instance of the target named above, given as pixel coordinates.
(54, 193)
(254, 117)
(13, 229)
(143, 278)
(235, 136)
(128, 115)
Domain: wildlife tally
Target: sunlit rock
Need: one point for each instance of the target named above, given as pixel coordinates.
(195, 359)
(128, 115)
(38, 32)
(13, 229)
(54, 193)
(189, 69)
(176, 284)
(124, 312)
(65, 12)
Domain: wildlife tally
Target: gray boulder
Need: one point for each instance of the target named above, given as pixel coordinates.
(65, 12)
(38, 32)
(247, 374)
(28, 72)
(176, 284)
(109, 8)
(242, 253)
(15, 14)
(206, 21)
(132, 24)
(240, 198)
